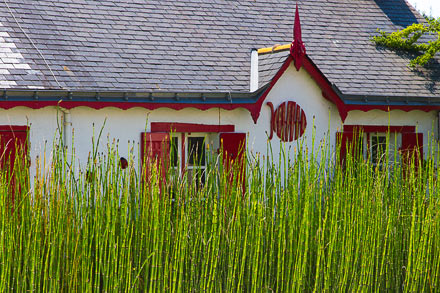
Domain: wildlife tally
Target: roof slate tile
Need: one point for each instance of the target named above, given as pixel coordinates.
(197, 45)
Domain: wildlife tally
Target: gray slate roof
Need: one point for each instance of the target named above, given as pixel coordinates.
(269, 64)
(198, 45)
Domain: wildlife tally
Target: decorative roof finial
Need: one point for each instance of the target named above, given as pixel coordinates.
(297, 50)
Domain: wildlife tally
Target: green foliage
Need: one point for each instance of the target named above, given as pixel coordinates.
(408, 40)
(301, 225)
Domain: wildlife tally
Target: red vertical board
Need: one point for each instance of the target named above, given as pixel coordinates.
(233, 144)
(412, 144)
(344, 139)
(350, 142)
(155, 147)
(234, 147)
(13, 151)
(11, 144)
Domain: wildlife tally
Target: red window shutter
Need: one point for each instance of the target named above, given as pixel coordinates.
(342, 139)
(155, 147)
(233, 144)
(13, 151)
(12, 143)
(233, 148)
(350, 142)
(412, 144)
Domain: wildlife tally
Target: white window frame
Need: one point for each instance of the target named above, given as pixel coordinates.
(395, 142)
(183, 165)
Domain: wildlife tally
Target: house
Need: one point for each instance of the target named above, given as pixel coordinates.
(208, 71)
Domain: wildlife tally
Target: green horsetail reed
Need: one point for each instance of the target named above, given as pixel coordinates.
(308, 221)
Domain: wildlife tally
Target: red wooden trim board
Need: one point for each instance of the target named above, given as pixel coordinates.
(189, 127)
(14, 128)
(379, 128)
(254, 108)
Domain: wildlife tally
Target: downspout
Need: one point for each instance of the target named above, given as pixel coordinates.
(254, 71)
(67, 128)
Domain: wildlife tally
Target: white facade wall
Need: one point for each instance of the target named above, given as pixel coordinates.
(425, 122)
(322, 116)
(43, 129)
(125, 126)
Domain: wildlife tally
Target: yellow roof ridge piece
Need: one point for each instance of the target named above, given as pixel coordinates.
(274, 48)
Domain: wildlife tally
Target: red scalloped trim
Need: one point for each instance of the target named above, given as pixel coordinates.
(252, 108)
(406, 108)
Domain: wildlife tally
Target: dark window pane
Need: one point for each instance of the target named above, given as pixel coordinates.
(196, 150)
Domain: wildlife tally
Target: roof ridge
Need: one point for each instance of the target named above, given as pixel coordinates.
(274, 48)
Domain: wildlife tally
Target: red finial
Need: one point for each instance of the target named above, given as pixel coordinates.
(297, 50)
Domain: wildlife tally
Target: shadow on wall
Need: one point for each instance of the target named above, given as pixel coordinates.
(398, 12)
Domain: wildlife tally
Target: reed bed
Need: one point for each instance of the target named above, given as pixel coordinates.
(302, 223)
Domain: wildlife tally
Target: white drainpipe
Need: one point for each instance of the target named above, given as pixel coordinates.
(254, 70)
(67, 131)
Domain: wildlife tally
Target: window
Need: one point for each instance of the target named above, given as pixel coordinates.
(377, 142)
(196, 154)
(403, 141)
(378, 148)
(187, 147)
(182, 152)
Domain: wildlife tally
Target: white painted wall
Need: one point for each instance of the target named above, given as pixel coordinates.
(125, 126)
(425, 122)
(43, 129)
(298, 86)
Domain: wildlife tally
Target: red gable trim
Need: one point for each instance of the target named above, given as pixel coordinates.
(318, 77)
(254, 108)
(327, 90)
(189, 127)
(329, 93)
(274, 80)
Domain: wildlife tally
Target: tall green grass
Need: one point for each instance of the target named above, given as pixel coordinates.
(303, 223)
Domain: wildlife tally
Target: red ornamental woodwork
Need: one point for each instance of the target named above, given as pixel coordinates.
(288, 121)
(297, 50)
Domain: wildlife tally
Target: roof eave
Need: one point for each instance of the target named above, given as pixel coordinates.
(19, 94)
(370, 101)
(68, 99)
